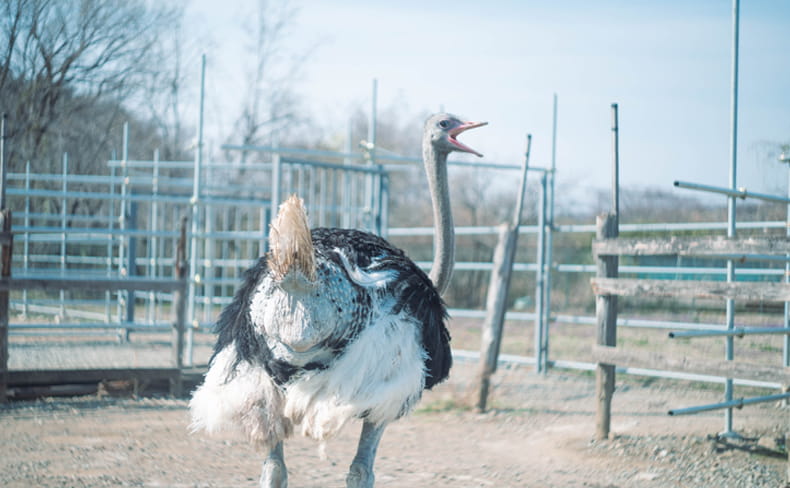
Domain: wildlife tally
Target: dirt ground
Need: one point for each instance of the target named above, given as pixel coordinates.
(537, 434)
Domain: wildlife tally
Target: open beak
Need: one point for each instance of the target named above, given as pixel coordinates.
(461, 128)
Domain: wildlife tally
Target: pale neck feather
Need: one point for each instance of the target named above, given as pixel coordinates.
(444, 234)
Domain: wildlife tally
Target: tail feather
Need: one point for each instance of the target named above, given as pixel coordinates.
(290, 243)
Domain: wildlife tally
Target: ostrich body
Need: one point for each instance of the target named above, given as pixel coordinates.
(333, 325)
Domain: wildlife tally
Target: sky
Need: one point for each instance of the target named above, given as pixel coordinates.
(667, 64)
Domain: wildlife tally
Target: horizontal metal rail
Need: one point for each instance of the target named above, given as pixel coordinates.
(380, 156)
(740, 193)
(134, 197)
(108, 180)
(736, 332)
(376, 169)
(134, 326)
(587, 366)
(589, 229)
(101, 284)
(739, 403)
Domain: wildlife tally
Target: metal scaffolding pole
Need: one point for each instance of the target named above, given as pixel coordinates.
(549, 239)
(730, 304)
(730, 404)
(371, 146)
(540, 353)
(195, 201)
(785, 158)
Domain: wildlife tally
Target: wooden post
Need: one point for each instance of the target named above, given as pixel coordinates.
(787, 443)
(131, 266)
(496, 305)
(179, 304)
(6, 248)
(606, 322)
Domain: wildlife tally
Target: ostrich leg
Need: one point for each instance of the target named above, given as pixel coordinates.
(360, 474)
(274, 474)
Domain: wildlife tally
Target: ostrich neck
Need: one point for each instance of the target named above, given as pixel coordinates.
(444, 233)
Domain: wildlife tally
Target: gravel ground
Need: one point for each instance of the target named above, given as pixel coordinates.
(537, 434)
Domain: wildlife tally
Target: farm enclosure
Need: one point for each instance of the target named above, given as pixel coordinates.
(228, 208)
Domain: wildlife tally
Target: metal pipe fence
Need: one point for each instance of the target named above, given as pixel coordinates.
(120, 224)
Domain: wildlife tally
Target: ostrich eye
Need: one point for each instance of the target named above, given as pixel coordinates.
(444, 124)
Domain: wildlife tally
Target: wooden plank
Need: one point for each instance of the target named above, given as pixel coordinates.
(496, 305)
(741, 290)
(692, 246)
(606, 328)
(76, 282)
(658, 361)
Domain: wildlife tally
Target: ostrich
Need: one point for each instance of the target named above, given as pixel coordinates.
(333, 325)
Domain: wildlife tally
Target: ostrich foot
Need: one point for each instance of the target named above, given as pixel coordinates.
(274, 474)
(360, 474)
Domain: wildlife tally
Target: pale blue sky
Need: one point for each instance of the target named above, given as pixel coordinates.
(666, 63)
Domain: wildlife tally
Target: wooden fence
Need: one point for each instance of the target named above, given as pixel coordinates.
(607, 286)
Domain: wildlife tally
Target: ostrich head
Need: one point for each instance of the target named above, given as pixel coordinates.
(441, 131)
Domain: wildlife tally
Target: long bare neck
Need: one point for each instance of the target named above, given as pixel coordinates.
(444, 232)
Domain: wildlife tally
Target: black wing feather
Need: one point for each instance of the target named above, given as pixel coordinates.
(416, 294)
(413, 288)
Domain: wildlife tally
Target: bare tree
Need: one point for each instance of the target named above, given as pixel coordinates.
(61, 59)
(270, 101)
(168, 85)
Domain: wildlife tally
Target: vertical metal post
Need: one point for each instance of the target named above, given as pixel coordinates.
(26, 243)
(786, 350)
(369, 197)
(153, 243)
(2, 161)
(6, 251)
(131, 263)
(208, 256)
(195, 204)
(320, 207)
(730, 304)
(615, 164)
(373, 113)
(549, 240)
(63, 204)
(539, 274)
(179, 323)
(277, 172)
(346, 221)
(785, 158)
(5, 268)
(110, 234)
(123, 297)
(384, 207)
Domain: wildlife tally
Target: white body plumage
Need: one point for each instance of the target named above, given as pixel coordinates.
(379, 375)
